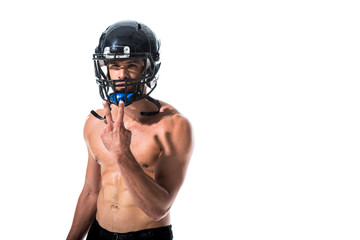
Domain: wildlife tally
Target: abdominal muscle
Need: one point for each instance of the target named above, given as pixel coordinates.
(116, 211)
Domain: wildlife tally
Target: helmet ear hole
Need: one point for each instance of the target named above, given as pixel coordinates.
(147, 64)
(157, 67)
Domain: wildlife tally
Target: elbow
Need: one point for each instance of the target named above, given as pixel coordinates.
(89, 194)
(160, 208)
(159, 214)
(156, 218)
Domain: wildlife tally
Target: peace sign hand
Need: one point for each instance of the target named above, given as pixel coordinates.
(115, 137)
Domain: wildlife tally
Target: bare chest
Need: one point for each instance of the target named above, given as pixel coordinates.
(144, 146)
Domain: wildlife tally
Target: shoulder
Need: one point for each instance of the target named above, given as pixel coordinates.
(92, 123)
(172, 118)
(176, 128)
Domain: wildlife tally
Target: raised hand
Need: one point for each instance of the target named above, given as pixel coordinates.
(115, 137)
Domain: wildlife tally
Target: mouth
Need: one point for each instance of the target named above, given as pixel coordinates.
(119, 87)
(122, 85)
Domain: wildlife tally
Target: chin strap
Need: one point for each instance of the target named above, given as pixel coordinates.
(97, 115)
(156, 102)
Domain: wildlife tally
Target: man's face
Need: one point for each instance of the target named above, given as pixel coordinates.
(124, 70)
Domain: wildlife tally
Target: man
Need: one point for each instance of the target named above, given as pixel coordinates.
(138, 148)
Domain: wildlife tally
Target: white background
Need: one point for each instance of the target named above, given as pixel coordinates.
(270, 87)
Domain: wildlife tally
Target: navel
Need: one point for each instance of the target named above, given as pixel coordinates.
(114, 207)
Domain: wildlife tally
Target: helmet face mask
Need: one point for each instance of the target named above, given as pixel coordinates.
(126, 41)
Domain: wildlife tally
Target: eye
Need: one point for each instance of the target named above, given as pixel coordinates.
(114, 66)
(133, 66)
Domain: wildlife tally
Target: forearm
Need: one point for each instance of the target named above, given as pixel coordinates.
(84, 215)
(148, 195)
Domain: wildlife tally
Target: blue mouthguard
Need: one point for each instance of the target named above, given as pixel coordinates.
(120, 96)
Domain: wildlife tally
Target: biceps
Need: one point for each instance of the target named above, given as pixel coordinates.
(170, 173)
(177, 150)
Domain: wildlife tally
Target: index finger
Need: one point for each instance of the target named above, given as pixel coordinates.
(120, 120)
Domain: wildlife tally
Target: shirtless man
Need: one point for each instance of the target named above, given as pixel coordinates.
(138, 148)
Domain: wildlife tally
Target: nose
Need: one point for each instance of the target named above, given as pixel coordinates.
(122, 74)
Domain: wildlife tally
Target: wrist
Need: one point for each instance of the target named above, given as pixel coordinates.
(124, 155)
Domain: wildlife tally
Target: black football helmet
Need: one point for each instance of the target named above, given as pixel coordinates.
(127, 40)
